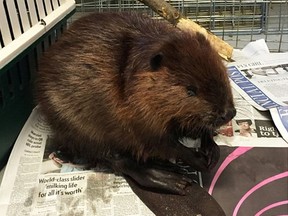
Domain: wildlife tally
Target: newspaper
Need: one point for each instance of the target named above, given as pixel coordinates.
(262, 81)
(261, 78)
(36, 182)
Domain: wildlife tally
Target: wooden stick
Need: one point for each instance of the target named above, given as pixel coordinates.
(171, 14)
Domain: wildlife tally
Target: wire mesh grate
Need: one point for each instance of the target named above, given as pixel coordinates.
(235, 21)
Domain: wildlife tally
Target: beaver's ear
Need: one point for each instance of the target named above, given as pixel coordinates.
(156, 61)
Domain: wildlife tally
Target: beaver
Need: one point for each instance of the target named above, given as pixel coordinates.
(122, 89)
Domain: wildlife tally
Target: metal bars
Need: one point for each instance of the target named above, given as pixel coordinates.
(236, 21)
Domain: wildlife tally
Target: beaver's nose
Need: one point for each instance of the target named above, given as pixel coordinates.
(226, 117)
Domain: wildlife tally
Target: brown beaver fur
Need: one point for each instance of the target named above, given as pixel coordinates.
(124, 84)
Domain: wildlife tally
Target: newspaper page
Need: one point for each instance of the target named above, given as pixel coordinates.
(251, 50)
(262, 81)
(261, 78)
(39, 182)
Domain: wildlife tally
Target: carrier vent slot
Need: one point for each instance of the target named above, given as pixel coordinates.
(1, 99)
(1, 41)
(23, 15)
(8, 20)
(40, 9)
(10, 84)
(25, 72)
(18, 16)
(32, 12)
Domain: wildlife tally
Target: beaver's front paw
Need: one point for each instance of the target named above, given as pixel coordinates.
(152, 175)
(161, 180)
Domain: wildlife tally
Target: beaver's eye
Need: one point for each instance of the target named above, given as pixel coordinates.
(191, 90)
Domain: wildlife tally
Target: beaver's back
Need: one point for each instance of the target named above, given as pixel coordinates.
(80, 80)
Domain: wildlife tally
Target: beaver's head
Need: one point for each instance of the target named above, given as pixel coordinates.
(184, 89)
